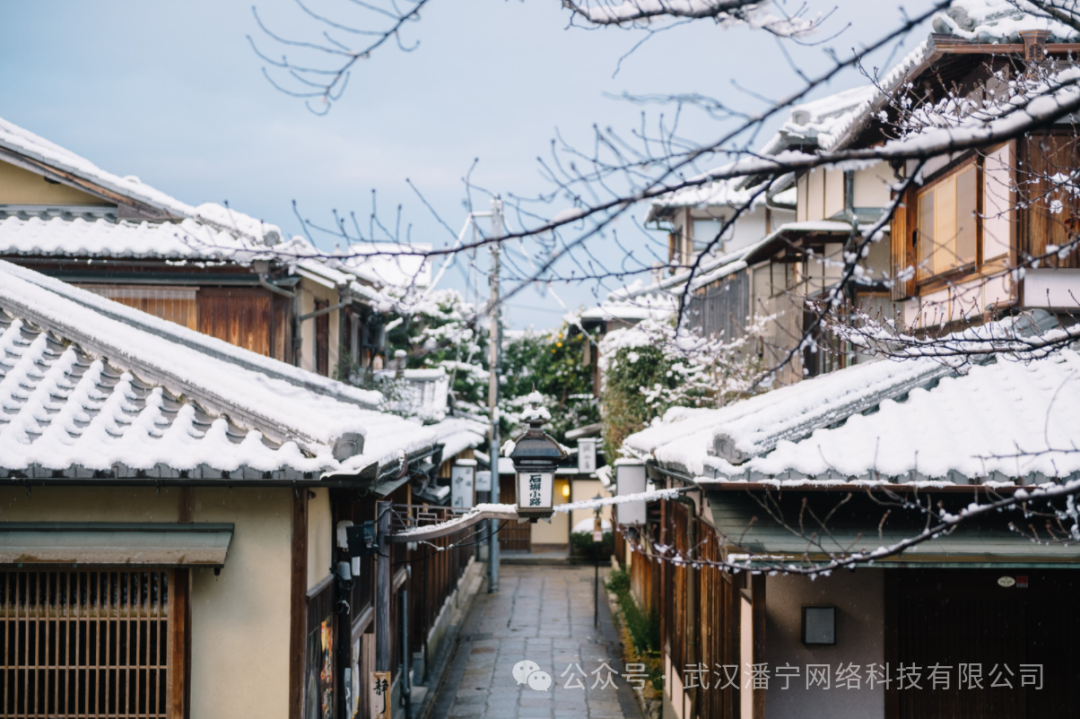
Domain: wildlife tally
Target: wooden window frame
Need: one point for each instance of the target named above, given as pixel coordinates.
(935, 281)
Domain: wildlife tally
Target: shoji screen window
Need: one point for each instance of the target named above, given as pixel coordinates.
(947, 236)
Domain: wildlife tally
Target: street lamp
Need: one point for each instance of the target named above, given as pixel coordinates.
(535, 455)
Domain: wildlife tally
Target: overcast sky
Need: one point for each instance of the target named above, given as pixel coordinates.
(173, 93)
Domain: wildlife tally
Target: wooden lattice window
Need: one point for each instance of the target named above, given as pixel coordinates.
(93, 643)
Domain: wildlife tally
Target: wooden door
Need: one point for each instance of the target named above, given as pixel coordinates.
(513, 537)
(948, 618)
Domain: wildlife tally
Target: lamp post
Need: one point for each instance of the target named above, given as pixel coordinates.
(535, 455)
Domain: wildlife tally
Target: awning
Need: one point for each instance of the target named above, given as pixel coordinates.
(144, 543)
(763, 523)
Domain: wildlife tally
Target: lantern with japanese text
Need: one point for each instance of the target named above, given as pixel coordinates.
(535, 455)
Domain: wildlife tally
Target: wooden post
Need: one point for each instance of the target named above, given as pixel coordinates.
(382, 589)
(298, 602)
(181, 660)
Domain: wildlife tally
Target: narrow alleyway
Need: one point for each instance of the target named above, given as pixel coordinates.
(542, 614)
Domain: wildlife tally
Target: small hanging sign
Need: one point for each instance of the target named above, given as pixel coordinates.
(380, 695)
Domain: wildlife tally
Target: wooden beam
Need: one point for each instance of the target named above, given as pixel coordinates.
(186, 510)
(180, 659)
(298, 602)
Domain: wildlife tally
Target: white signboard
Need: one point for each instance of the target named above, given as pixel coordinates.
(461, 487)
(630, 479)
(535, 490)
(586, 456)
(483, 481)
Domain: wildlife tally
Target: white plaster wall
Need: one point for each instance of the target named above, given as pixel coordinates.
(834, 192)
(320, 536)
(859, 598)
(871, 185)
(89, 504)
(749, 228)
(309, 292)
(240, 619)
(815, 196)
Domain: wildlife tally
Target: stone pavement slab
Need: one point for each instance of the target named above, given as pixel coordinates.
(541, 614)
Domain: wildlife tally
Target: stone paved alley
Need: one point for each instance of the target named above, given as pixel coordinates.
(543, 614)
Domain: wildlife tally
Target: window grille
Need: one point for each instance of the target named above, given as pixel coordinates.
(91, 643)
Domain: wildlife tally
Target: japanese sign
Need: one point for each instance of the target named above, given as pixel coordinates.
(461, 486)
(586, 457)
(380, 695)
(534, 490)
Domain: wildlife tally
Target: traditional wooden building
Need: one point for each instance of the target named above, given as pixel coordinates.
(208, 268)
(849, 463)
(840, 460)
(171, 518)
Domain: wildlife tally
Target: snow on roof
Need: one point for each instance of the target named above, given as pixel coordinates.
(818, 122)
(982, 21)
(721, 193)
(633, 303)
(998, 21)
(459, 433)
(386, 264)
(25, 143)
(101, 237)
(284, 404)
(900, 421)
(203, 343)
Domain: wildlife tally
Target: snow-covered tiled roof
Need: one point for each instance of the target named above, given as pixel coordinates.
(26, 144)
(19, 140)
(721, 193)
(633, 303)
(102, 237)
(816, 123)
(983, 21)
(888, 421)
(64, 347)
(998, 21)
(460, 433)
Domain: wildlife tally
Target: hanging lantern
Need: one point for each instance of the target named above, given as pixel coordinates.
(536, 455)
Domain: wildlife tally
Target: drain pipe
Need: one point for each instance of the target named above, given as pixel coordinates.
(262, 268)
(691, 593)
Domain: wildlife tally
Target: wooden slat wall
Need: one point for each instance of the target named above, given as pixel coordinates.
(85, 643)
(902, 255)
(644, 582)
(718, 616)
(239, 316)
(678, 580)
(1043, 156)
(174, 305)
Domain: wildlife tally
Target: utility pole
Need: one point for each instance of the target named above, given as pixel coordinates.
(493, 390)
